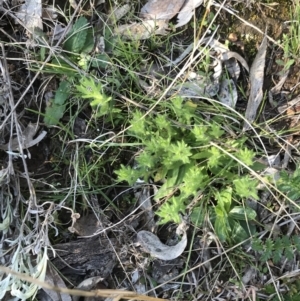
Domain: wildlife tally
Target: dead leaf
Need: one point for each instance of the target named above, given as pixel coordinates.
(4, 176)
(53, 278)
(161, 10)
(143, 30)
(231, 54)
(187, 11)
(88, 285)
(197, 86)
(30, 14)
(277, 88)
(118, 13)
(256, 82)
(249, 274)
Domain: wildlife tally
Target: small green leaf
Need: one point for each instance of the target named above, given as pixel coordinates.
(296, 241)
(238, 233)
(54, 113)
(200, 134)
(197, 216)
(241, 213)
(90, 89)
(257, 245)
(288, 252)
(128, 174)
(216, 131)
(62, 93)
(138, 124)
(245, 187)
(100, 61)
(224, 198)
(195, 179)
(180, 152)
(89, 42)
(246, 156)
(215, 156)
(222, 228)
(76, 37)
(289, 184)
(177, 103)
(278, 249)
(170, 210)
(268, 250)
(145, 159)
(169, 184)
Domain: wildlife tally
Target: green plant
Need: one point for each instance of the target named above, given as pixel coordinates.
(294, 30)
(189, 156)
(288, 183)
(78, 44)
(276, 248)
(290, 40)
(56, 107)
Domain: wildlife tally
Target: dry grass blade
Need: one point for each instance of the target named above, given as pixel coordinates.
(256, 82)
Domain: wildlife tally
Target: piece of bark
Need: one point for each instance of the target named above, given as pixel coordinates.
(89, 257)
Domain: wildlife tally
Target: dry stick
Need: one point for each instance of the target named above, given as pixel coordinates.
(76, 292)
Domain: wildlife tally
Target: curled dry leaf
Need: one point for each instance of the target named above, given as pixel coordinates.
(256, 82)
(161, 10)
(143, 30)
(151, 244)
(26, 140)
(187, 11)
(231, 54)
